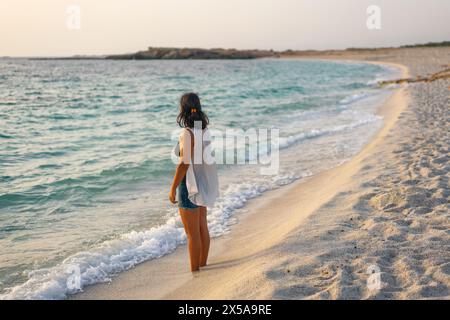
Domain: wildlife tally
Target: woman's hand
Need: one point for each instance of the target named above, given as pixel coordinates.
(172, 195)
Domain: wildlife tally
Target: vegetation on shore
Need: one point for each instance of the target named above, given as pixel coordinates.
(429, 45)
(153, 53)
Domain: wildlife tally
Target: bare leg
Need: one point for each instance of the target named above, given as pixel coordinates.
(204, 237)
(191, 224)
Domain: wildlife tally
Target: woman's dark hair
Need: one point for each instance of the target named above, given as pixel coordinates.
(191, 111)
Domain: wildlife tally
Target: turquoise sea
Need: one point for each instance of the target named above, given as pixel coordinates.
(85, 164)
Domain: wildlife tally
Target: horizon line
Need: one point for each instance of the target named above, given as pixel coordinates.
(442, 43)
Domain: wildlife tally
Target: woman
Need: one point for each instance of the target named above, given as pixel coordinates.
(195, 178)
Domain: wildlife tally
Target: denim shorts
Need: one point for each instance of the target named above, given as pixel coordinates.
(183, 197)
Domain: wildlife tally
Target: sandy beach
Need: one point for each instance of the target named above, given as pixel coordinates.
(385, 211)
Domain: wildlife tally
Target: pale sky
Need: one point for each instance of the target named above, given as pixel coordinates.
(39, 27)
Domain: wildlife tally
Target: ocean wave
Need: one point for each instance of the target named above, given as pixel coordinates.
(354, 97)
(6, 136)
(87, 186)
(8, 103)
(286, 142)
(102, 263)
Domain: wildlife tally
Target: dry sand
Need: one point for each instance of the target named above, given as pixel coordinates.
(386, 209)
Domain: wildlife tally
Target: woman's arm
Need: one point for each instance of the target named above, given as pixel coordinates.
(182, 167)
(180, 172)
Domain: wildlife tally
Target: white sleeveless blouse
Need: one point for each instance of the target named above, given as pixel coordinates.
(202, 181)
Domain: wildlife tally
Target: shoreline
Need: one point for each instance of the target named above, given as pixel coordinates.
(237, 257)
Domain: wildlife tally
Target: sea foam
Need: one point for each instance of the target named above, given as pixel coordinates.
(102, 263)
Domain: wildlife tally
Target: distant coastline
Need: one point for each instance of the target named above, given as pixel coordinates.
(163, 53)
(155, 53)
